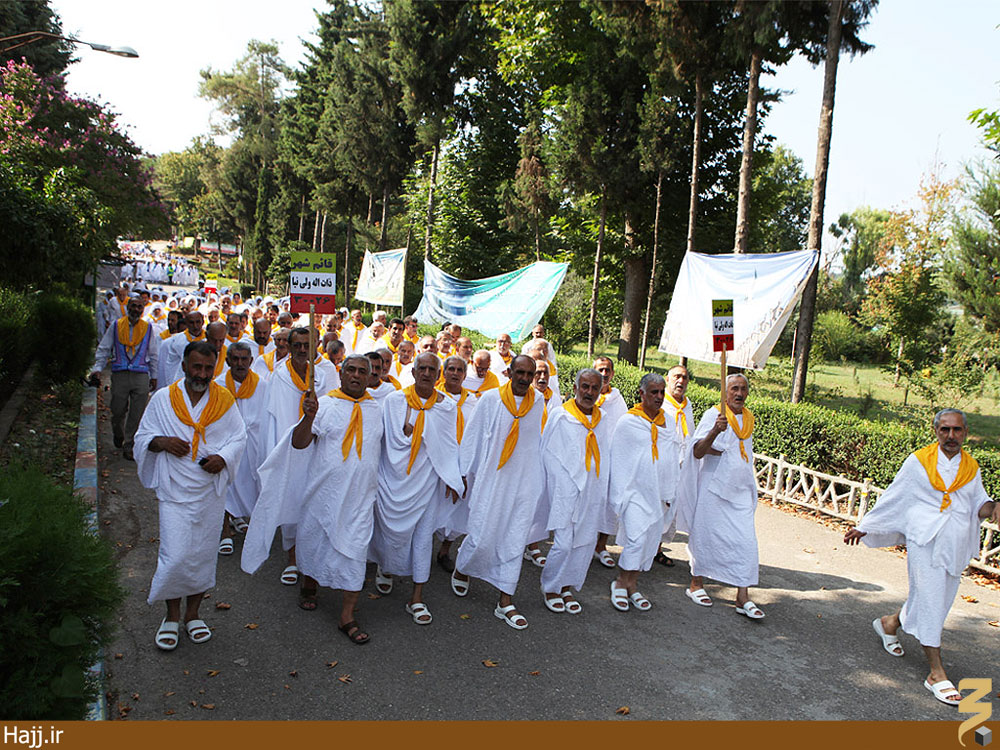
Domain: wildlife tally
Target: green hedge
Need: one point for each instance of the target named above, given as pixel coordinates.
(17, 311)
(69, 354)
(58, 594)
(818, 437)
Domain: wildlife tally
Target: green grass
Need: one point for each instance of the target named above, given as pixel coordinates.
(862, 389)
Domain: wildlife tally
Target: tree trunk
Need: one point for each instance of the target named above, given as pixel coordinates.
(538, 237)
(302, 217)
(695, 163)
(430, 199)
(592, 325)
(807, 310)
(652, 270)
(316, 231)
(322, 235)
(347, 261)
(635, 286)
(746, 165)
(368, 219)
(899, 360)
(383, 233)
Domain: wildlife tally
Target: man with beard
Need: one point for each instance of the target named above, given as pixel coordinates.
(264, 364)
(169, 367)
(188, 448)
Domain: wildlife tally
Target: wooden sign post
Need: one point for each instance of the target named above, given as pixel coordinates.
(722, 339)
(312, 285)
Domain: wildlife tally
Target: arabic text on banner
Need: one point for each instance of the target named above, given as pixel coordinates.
(313, 281)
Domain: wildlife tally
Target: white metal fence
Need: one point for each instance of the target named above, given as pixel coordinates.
(845, 499)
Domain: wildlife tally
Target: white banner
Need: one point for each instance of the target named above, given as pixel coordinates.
(381, 278)
(764, 288)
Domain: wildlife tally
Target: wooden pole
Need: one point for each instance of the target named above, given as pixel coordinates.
(722, 381)
(312, 346)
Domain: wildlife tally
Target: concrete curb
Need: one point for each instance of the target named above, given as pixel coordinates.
(85, 487)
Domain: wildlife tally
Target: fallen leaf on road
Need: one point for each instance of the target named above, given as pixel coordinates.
(995, 623)
(535, 673)
(288, 687)
(345, 678)
(119, 656)
(251, 626)
(623, 711)
(213, 672)
(187, 671)
(490, 663)
(107, 523)
(223, 605)
(331, 664)
(193, 703)
(135, 696)
(168, 694)
(206, 595)
(208, 706)
(374, 596)
(169, 712)
(418, 671)
(810, 550)
(294, 673)
(201, 692)
(970, 599)
(464, 617)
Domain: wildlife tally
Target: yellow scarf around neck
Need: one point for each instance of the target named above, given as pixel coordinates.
(247, 387)
(413, 401)
(355, 427)
(659, 421)
(680, 416)
(131, 339)
(741, 432)
(507, 399)
(592, 450)
(219, 401)
(967, 469)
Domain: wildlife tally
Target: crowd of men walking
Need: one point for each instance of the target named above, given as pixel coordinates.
(391, 447)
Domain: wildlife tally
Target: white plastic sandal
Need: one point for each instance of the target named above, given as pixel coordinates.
(517, 621)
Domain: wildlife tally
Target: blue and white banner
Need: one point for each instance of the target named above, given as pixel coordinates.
(381, 279)
(764, 288)
(510, 303)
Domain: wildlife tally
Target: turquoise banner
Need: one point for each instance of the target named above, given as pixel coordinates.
(510, 303)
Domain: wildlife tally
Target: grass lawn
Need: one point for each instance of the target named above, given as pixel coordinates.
(862, 389)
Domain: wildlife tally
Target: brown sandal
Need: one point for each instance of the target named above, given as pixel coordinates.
(662, 559)
(354, 632)
(307, 599)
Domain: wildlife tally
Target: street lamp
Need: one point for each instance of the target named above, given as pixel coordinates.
(33, 36)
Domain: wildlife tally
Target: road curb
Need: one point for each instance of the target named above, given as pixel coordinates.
(85, 487)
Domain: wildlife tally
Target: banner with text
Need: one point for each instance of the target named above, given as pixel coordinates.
(381, 279)
(764, 288)
(510, 303)
(313, 281)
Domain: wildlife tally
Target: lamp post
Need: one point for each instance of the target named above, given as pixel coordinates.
(29, 37)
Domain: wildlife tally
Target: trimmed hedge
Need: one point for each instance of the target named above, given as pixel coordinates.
(68, 356)
(815, 436)
(17, 311)
(58, 595)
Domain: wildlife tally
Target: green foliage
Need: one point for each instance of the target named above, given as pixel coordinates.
(47, 56)
(782, 197)
(58, 594)
(566, 319)
(836, 337)
(66, 357)
(17, 311)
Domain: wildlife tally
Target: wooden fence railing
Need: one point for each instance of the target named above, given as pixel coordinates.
(846, 499)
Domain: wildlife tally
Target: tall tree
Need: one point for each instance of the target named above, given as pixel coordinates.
(846, 20)
(48, 57)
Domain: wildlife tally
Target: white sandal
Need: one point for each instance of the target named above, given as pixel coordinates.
(226, 546)
(518, 621)
(383, 583)
(535, 555)
(640, 602)
(889, 642)
(167, 630)
(619, 598)
(556, 604)
(699, 597)
(198, 631)
(751, 610)
(419, 610)
(604, 558)
(573, 607)
(943, 689)
(290, 575)
(458, 586)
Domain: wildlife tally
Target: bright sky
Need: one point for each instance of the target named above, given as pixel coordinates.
(900, 109)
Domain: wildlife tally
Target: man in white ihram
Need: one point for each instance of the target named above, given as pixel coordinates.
(935, 506)
(418, 468)
(188, 448)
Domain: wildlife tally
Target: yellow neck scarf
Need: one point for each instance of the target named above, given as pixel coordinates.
(298, 383)
(199, 337)
(131, 339)
(460, 419)
(413, 401)
(261, 353)
(247, 387)
(233, 339)
(388, 343)
(220, 362)
(744, 432)
(600, 399)
(967, 469)
(354, 341)
(547, 394)
(219, 401)
(680, 416)
(592, 450)
(506, 358)
(507, 399)
(659, 421)
(355, 427)
(395, 383)
(165, 334)
(490, 381)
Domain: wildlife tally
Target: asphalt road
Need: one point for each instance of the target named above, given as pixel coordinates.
(814, 656)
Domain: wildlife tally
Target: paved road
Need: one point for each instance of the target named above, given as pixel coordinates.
(814, 657)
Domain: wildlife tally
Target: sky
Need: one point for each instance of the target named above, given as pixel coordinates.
(900, 110)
